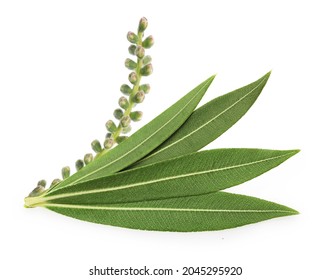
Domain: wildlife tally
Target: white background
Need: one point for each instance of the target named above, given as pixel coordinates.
(61, 65)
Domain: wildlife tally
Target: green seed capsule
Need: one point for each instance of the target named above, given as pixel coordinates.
(133, 78)
(130, 64)
(139, 97)
(125, 121)
(132, 49)
(143, 23)
(140, 52)
(125, 89)
(120, 139)
(127, 129)
(79, 164)
(55, 182)
(41, 183)
(123, 102)
(146, 70)
(136, 116)
(148, 42)
(96, 146)
(109, 142)
(118, 114)
(145, 88)
(88, 158)
(108, 135)
(65, 172)
(147, 59)
(132, 38)
(111, 126)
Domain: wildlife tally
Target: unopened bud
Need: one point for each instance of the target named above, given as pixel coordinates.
(148, 42)
(132, 38)
(37, 191)
(55, 182)
(65, 172)
(111, 126)
(109, 142)
(133, 78)
(88, 158)
(118, 114)
(79, 164)
(125, 121)
(120, 139)
(136, 116)
(140, 52)
(127, 129)
(130, 64)
(147, 59)
(96, 146)
(108, 135)
(132, 49)
(143, 23)
(145, 88)
(42, 183)
(146, 70)
(123, 102)
(139, 97)
(125, 89)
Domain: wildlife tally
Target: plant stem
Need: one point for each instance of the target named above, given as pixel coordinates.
(135, 89)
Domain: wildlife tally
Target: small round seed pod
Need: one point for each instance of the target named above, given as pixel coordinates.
(65, 172)
(126, 129)
(132, 49)
(136, 116)
(143, 23)
(145, 88)
(147, 59)
(125, 121)
(79, 164)
(140, 52)
(139, 97)
(111, 126)
(109, 142)
(132, 38)
(55, 182)
(133, 78)
(118, 114)
(125, 89)
(41, 183)
(148, 42)
(146, 70)
(130, 64)
(123, 102)
(120, 139)
(96, 146)
(108, 135)
(88, 158)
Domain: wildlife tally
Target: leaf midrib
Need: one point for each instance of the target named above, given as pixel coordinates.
(111, 208)
(47, 198)
(197, 129)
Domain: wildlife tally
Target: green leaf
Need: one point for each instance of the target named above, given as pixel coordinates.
(214, 211)
(198, 173)
(207, 123)
(143, 141)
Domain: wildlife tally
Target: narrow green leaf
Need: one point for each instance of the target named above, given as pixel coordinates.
(214, 211)
(207, 123)
(198, 173)
(143, 141)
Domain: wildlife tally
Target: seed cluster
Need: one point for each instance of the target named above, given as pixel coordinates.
(133, 95)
